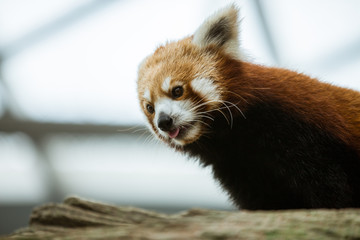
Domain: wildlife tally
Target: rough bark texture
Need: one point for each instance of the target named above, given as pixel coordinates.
(81, 219)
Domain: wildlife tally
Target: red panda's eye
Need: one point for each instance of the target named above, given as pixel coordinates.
(150, 108)
(177, 92)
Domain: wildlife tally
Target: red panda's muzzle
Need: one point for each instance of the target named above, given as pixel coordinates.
(166, 124)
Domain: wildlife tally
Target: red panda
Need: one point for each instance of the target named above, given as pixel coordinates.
(275, 138)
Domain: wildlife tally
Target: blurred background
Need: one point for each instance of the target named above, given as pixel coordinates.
(69, 118)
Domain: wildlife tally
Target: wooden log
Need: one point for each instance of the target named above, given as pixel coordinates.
(77, 218)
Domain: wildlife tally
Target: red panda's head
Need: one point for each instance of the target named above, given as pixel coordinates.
(180, 85)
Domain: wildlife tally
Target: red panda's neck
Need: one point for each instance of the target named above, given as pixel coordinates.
(295, 93)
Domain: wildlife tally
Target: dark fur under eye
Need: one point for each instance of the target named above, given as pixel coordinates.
(177, 92)
(150, 109)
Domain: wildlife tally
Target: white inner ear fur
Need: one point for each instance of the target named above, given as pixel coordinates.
(220, 29)
(206, 88)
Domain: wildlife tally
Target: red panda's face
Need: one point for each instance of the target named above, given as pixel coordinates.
(180, 86)
(178, 90)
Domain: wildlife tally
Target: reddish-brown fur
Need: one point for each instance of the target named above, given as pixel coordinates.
(334, 109)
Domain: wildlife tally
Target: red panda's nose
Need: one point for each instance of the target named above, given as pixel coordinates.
(165, 122)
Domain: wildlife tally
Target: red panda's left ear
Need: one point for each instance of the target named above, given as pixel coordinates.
(220, 30)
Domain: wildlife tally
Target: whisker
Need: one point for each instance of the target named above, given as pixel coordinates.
(149, 139)
(219, 110)
(203, 123)
(200, 105)
(212, 110)
(227, 120)
(236, 108)
(145, 129)
(227, 107)
(231, 116)
(238, 95)
(129, 129)
(200, 114)
(197, 105)
(212, 101)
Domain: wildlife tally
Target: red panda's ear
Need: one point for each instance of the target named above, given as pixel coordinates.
(220, 30)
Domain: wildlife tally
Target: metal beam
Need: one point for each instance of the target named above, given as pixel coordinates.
(38, 130)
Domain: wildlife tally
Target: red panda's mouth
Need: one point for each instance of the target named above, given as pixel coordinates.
(174, 133)
(178, 132)
(181, 135)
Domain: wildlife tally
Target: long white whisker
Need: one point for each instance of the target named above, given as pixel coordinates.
(201, 114)
(232, 105)
(227, 107)
(140, 129)
(137, 128)
(219, 109)
(141, 136)
(238, 95)
(236, 108)
(212, 101)
(231, 116)
(200, 105)
(215, 109)
(204, 123)
(197, 120)
(148, 139)
(197, 105)
(227, 120)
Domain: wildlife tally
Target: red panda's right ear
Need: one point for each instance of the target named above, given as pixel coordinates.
(220, 30)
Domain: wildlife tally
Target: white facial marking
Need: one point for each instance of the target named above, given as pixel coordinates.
(206, 88)
(166, 84)
(147, 95)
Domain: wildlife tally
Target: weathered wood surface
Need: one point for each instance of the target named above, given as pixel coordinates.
(81, 219)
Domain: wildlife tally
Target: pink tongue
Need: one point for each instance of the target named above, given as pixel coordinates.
(174, 133)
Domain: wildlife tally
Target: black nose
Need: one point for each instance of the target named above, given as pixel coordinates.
(165, 122)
